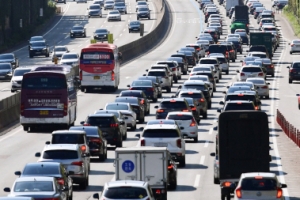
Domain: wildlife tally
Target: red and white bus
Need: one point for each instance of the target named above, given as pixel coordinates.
(48, 98)
(99, 67)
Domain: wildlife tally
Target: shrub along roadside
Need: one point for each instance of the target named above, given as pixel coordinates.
(294, 21)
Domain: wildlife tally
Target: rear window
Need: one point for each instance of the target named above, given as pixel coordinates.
(194, 96)
(239, 106)
(67, 138)
(142, 83)
(101, 121)
(130, 100)
(258, 184)
(170, 64)
(195, 87)
(266, 16)
(156, 74)
(33, 187)
(160, 133)
(217, 49)
(116, 107)
(125, 193)
(44, 82)
(152, 122)
(174, 105)
(222, 60)
(251, 69)
(60, 154)
(296, 65)
(180, 117)
(35, 170)
(131, 94)
(240, 97)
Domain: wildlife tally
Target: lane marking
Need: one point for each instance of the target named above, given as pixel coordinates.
(197, 181)
(202, 159)
(211, 130)
(206, 144)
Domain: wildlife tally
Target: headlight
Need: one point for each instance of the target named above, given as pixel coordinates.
(72, 32)
(104, 35)
(14, 82)
(82, 31)
(44, 48)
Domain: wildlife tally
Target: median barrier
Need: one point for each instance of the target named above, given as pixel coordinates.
(9, 110)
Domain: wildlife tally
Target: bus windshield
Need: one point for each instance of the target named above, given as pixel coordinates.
(43, 82)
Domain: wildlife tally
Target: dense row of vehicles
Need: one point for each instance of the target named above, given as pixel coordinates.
(49, 97)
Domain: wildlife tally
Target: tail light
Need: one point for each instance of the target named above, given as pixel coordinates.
(191, 74)
(78, 163)
(143, 143)
(157, 191)
(256, 107)
(238, 192)
(292, 70)
(170, 167)
(86, 124)
(150, 89)
(242, 74)
(80, 75)
(130, 89)
(142, 101)
(178, 142)
(260, 23)
(193, 108)
(22, 109)
(208, 53)
(264, 87)
(226, 184)
(160, 111)
(202, 100)
(60, 181)
(292, 45)
(279, 193)
(96, 140)
(65, 109)
(271, 66)
(185, 110)
(231, 50)
(174, 69)
(83, 148)
(260, 74)
(193, 123)
(112, 75)
(114, 125)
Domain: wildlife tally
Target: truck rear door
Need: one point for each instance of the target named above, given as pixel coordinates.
(128, 166)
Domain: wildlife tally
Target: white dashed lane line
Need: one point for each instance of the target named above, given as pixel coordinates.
(197, 181)
(202, 159)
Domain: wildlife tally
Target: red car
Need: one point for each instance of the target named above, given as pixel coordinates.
(298, 95)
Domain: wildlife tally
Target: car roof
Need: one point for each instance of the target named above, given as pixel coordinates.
(174, 99)
(161, 126)
(118, 103)
(35, 178)
(180, 113)
(101, 115)
(42, 164)
(121, 183)
(68, 132)
(254, 174)
(194, 82)
(157, 70)
(61, 147)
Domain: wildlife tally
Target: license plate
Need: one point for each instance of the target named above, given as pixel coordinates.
(38, 52)
(160, 144)
(96, 77)
(44, 112)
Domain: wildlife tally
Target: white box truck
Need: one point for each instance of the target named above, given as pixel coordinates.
(229, 4)
(144, 164)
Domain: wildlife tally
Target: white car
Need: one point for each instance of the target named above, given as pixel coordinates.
(234, 36)
(114, 15)
(261, 85)
(163, 76)
(257, 54)
(259, 185)
(58, 51)
(17, 77)
(69, 59)
(187, 123)
(141, 4)
(165, 67)
(203, 78)
(126, 189)
(249, 72)
(126, 110)
(109, 5)
(224, 64)
(295, 46)
(164, 135)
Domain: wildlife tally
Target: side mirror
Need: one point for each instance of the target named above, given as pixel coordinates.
(213, 154)
(238, 71)
(210, 88)
(181, 128)
(38, 154)
(221, 103)
(6, 189)
(215, 128)
(138, 135)
(156, 107)
(297, 95)
(101, 109)
(268, 83)
(146, 70)
(48, 142)
(82, 122)
(18, 173)
(161, 82)
(215, 77)
(224, 92)
(179, 87)
(283, 185)
(141, 128)
(219, 110)
(289, 43)
(144, 74)
(245, 56)
(128, 85)
(96, 196)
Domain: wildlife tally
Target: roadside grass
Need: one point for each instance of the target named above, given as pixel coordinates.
(293, 20)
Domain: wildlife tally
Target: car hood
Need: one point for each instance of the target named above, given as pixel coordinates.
(113, 15)
(4, 71)
(32, 194)
(17, 78)
(38, 48)
(6, 60)
(68, 60)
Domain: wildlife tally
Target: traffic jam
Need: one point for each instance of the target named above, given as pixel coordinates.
(149, 170)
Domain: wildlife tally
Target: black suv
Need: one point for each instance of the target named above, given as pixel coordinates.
(109, 125)
(97, 143)
(294, 72)
(9, 58)
(143, 12)
(230, 52)
(156, 82)
(241, 96)
(238, 105)
(39, 48)
(149, 88)
(136, 105)
(190, 57)
(50, 169)
(77, 31)
(216, 48)
(141, 95)
(181, 62)
(210, 76)
(171, 105)
(194, 105)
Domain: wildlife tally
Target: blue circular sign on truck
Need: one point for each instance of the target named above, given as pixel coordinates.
(128, 166)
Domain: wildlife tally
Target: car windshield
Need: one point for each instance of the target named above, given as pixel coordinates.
(125, 193)
(60, 154)
(34, 186)
(195, 87)
(69, 56)
(21, 72)
(101, 121)
(251, 69)
(241, 97)
(233, 89)
(5, 66)
(252, 184)
(119, 4)
(135, 23)
(94, 7)
(114, 12)
(60, 49)
(153, 73)
(142, 83)
(101, 31)
(199, 78)
(180, 117)
(38, 44)
(117, 107)
(160, 133)
(68, 138)
(173, 105)
(256, 81)
(127, 100)
(6, 56)
(207, 61)
(38, 169)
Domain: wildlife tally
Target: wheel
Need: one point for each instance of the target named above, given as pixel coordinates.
(241, 52)
(227, 72)
(205, 115)
(12, 91)
(71, 36)
(129, 31)
(159, 95)
(209, 105)
(173, 184)
(217, 81)
(169, 89)
(272, 75)
(137, 18)
(125, 12)
(120, 143)
(268, 97)
(216, 180)
(142, 120)
(195, 139)
(47, 55)
(148, 18)
(182, 162)
(214, 90)
(179, 77)
(290, 81)
(148, 111)
(25, 128)
(82, 89)
(299, 106)
(233, 60)
(84, 35)
(291, 52)
(133, 128)
(102, 157)
(125, 136)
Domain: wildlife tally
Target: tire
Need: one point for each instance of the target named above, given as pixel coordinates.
(241, 52)
(169, 89)
(217, 81)
(299, 106)
(159, 95)
(84, 35)
(137, 18)
(195, 140)
(290, 81)
(142, 120)
(182, 162)
(272, 75)
(179, 77)
(148, 18)
(129, 31)
(233, 60)
(103, 157)
(216, 181)
(120, 143)
(148, 112)
(83, 185)
(214, 90)
(176, 80)
(25, 128)
(71, 197)
(291, 52)
(47, 55)
(173, 185)
(82, 89)
(268, 97)
(209, 105)
(184, 73)
(227, 72)
(154, 100)
(133, 128)
(12, 91)
(125, 136)
(205, 115)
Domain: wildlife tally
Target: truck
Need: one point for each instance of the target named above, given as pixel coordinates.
(243, 146)
(151, 164)
(262, 38)
(241, 15)
(229, 4)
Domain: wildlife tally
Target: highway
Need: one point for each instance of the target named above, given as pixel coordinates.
(195, 180)
(73, 14)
